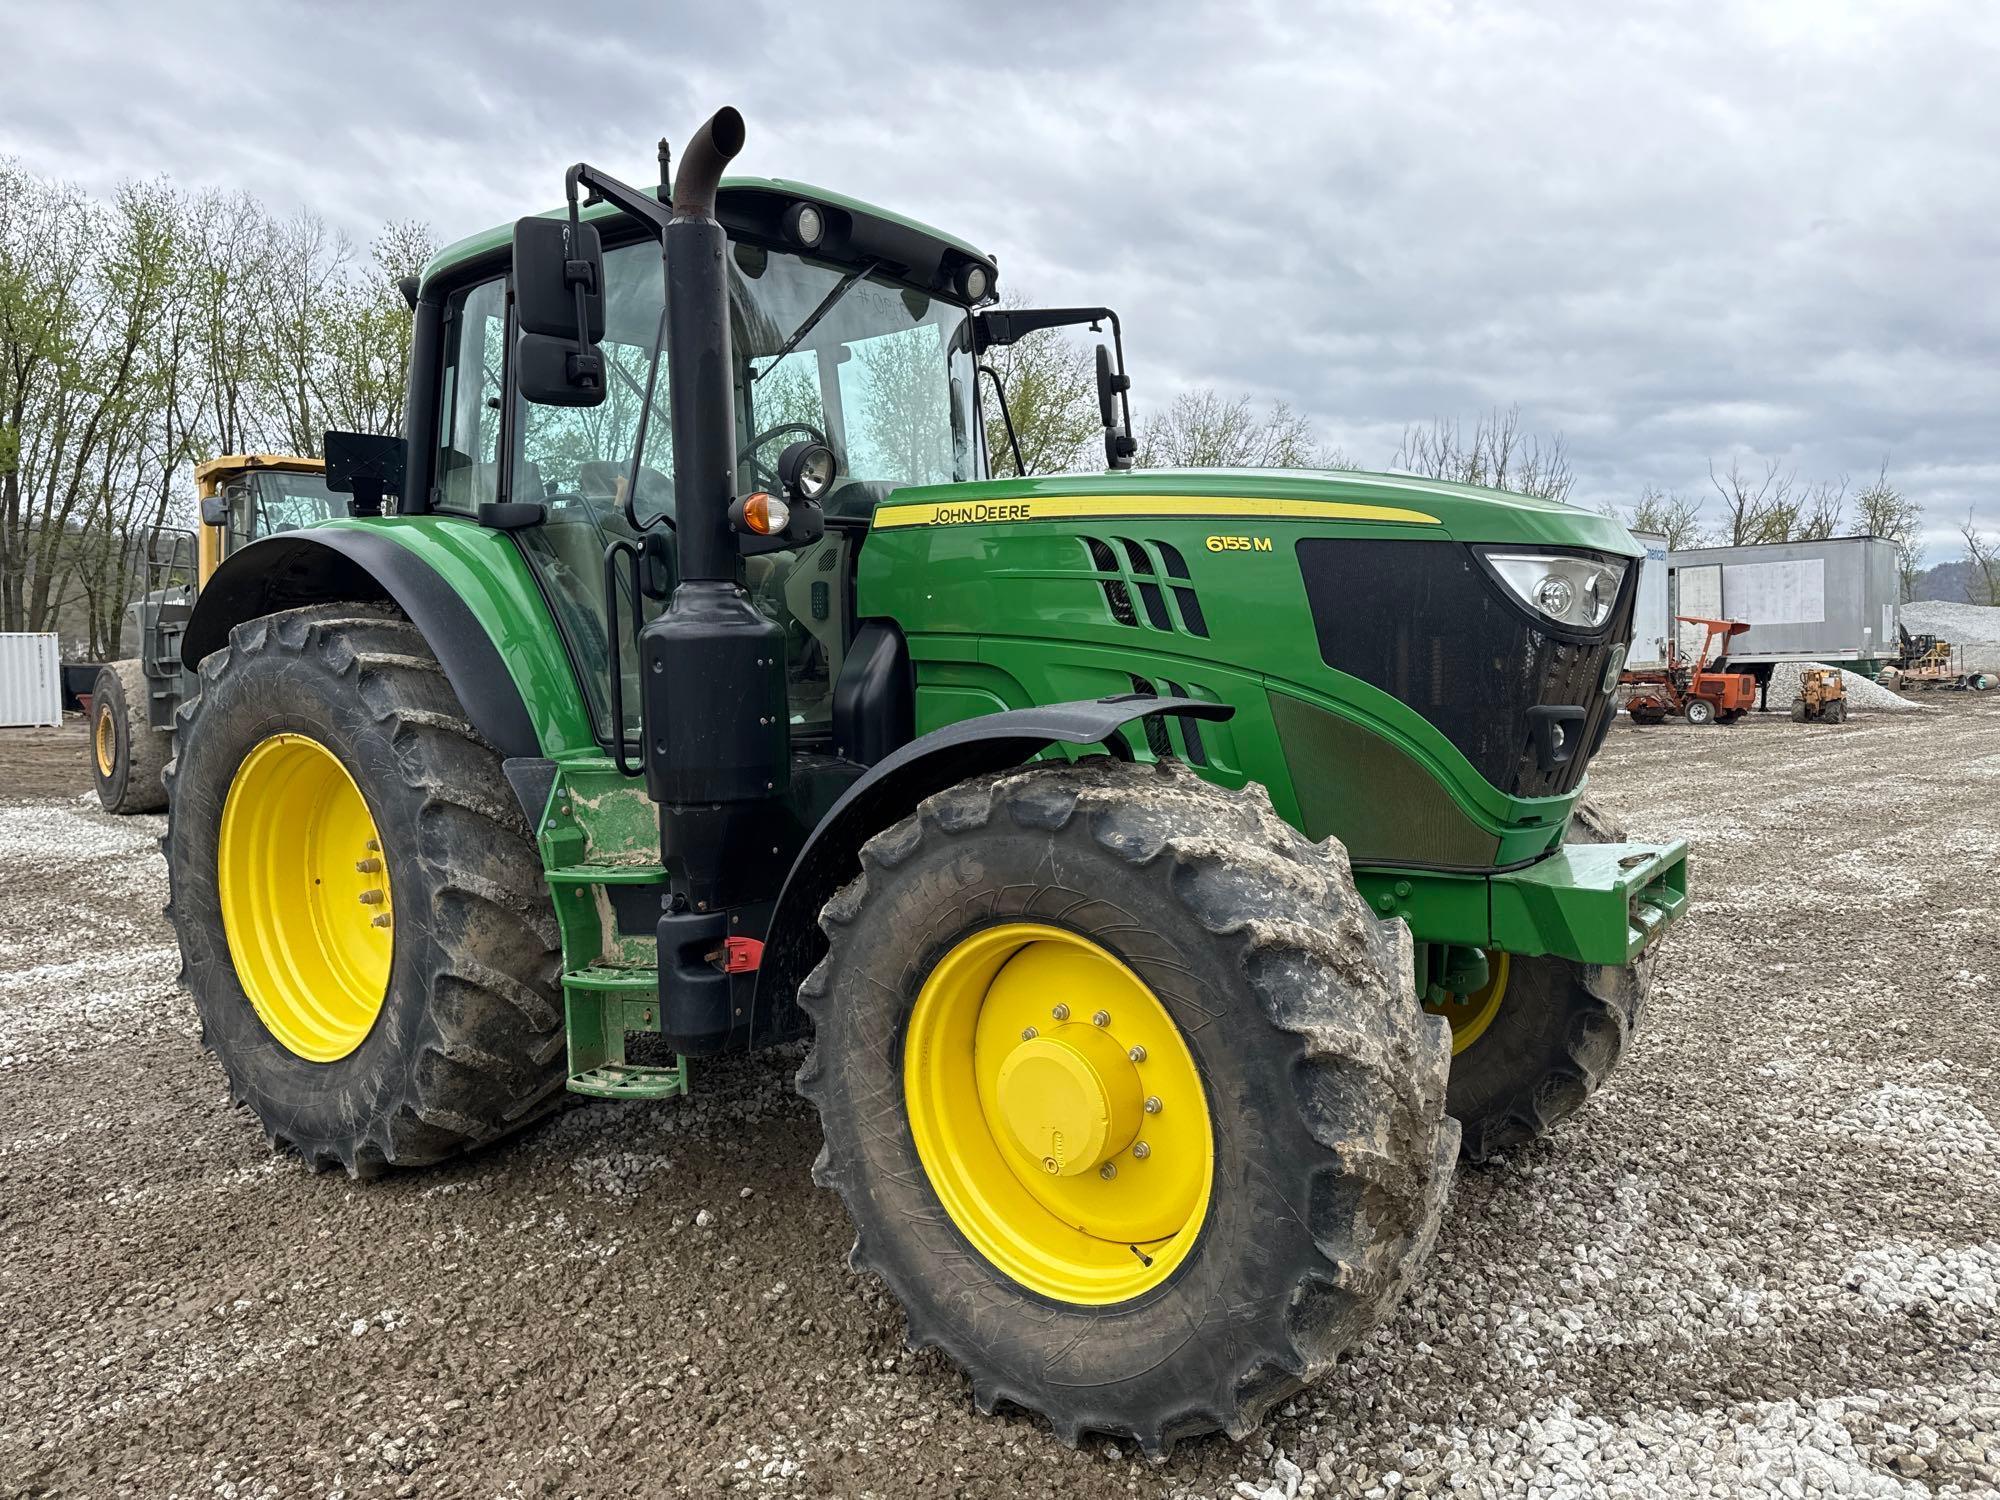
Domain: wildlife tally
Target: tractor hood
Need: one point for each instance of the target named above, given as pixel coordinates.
(1461, 512)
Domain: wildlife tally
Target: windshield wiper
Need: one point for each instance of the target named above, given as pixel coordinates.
(827, 304)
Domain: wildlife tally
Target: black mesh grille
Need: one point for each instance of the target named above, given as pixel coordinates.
(1171, 556)
(1424, 622)
(1190, 727)
(1156, 606)
(1120, 599)
(1191, 615)
(1101, 556)
(1156, 729)
(1140, 562)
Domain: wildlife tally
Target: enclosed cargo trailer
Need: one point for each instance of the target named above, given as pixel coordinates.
(1652, 614)
(1832, 601)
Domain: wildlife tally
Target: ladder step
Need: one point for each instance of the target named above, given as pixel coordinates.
(649, 874)
(630, 1081)
(603, 977)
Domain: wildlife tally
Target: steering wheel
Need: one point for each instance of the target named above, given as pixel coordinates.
(771, 434)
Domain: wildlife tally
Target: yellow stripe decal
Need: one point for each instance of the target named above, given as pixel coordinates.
(1077, 507)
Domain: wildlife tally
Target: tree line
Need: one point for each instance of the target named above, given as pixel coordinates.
(141, 334)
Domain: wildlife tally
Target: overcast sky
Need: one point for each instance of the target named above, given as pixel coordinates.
(1670, 231)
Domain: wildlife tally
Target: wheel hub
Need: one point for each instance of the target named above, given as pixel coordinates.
(1072, 1100)
(1069, 1140)
(306, 902)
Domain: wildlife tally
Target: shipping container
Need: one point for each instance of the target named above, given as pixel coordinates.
(1652, 617)
(1832, 601)
(30, 680)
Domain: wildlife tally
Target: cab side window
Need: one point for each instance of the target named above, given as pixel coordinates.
(475, 344)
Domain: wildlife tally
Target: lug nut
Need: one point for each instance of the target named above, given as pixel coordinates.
(1140, 1150)
(1028, 1033)
(380, 919)
(1061, 1012)
(1137, 1054)
(1102, 1018)
(371, 898)
(1108, 1171)
(1051, 1166)
(1153, 1105)
(368, 866)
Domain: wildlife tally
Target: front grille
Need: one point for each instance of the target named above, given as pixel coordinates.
(1425, 623)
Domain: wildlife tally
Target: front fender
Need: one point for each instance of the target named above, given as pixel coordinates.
(465, 587)
(891, 790)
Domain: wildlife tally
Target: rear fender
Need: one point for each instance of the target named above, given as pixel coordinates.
(891, 791)
(465, 587)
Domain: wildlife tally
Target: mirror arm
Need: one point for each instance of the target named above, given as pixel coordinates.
(1006, 416)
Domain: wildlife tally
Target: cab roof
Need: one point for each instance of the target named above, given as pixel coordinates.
(754, 203)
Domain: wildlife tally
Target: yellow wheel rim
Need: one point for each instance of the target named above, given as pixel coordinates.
(107, 743)
(1471, 1014)
(305, 897)
(1058, 1113)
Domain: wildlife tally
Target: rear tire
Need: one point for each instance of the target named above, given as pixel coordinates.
(1560, 1030)
(1699, 711)
(468, 1042)
(1331, 1153)
(127, 752)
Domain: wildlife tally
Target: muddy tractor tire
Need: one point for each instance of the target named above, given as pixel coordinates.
(1110, 1060)
(127, 754)
(1799, 711)
(361, 911)
(1549, 1038)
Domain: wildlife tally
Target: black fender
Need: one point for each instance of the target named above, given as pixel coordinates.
(890, 791)
(296, 568)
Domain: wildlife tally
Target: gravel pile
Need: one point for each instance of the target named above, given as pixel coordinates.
(1862, 694)
(1973, 628)
(1765, 1260)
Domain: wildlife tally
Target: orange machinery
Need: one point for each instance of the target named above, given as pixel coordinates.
(1701, 693)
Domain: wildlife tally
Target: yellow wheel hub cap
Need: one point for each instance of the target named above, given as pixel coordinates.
(107, 743)
(305, 897)
(1058, 1113)
(1471, 1014)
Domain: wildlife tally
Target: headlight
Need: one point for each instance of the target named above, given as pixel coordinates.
(1575, 591)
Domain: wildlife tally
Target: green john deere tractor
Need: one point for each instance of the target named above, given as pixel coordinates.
(1165, 866)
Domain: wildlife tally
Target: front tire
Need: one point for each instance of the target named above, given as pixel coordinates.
(361, 913)
(1699, 711)
(127, 752)
(1314, 1079)
(1550, 1038)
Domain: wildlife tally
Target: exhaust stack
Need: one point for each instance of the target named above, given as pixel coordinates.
(712, 667)
(701, 396)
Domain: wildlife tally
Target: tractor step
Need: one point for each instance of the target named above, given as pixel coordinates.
(647, 874)
(604, 1003)
(631, 1081)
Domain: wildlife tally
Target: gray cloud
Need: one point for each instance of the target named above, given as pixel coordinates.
(1672, 232)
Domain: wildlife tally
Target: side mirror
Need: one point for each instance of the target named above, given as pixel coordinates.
(559, 308)
(214, 510)
(1111, 388)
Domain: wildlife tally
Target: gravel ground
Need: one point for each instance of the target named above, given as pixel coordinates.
(1765, 1260)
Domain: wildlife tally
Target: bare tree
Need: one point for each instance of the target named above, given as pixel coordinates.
(1756, 509)
(1496, 455)
(1665, 513)
(1202, 430)
(1983, 552)
(1883, 510)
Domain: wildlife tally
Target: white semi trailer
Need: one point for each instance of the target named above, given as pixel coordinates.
(1836, 601)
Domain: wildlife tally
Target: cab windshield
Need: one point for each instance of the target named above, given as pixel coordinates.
(878, 370)
(275, 500)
